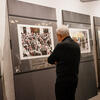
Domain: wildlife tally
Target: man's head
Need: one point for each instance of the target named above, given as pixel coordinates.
(62, 32)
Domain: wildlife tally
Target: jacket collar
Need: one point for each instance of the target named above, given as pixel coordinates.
(66, 38)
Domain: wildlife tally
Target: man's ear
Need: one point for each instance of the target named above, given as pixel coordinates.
(60, 36)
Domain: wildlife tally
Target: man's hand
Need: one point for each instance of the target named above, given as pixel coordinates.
(56, 63)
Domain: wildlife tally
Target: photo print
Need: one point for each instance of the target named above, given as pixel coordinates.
(99, 36)
(81, 36)
(35, 41)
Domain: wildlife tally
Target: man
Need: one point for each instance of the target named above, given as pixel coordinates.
(66, 56)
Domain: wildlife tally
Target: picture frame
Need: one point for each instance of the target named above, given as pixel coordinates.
(35, 41)
(81, 36)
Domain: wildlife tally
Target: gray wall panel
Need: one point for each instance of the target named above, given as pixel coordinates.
(24, 89)
(36, 85)
(75, 17)
(87, 79)
(29, 64)
(97, 21)
(40, 85)
(87, 83)
(99, 71)
(1, 90)
(97, 28)
(18, 8)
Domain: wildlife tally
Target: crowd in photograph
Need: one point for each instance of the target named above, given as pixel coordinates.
(36, 44)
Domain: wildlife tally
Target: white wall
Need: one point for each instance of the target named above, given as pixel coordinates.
(2, 21)
(94, 8)
(5, 54)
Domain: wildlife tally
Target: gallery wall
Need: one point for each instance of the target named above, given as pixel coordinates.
(2, 21)
(70, 5)
(76, 5)
(90, 8)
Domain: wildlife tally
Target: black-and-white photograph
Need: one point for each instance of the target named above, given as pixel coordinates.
(35, 41)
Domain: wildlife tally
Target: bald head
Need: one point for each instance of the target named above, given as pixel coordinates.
(62, 32)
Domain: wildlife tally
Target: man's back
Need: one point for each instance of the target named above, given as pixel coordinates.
(67, 56)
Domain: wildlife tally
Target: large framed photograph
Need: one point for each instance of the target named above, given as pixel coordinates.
(81, 36)
(35, 41)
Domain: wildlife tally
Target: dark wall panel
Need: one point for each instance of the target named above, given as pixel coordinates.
(97, 21)
(87, 79)
(75, 17)
(99, 71)
(97, 34)
(18, 8)
(29, 14)
(87, 84)
(1, 88)
(29, 64)
(1, 91)
(97, 28)
(36, 85)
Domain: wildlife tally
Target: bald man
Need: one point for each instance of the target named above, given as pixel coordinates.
(66, 56)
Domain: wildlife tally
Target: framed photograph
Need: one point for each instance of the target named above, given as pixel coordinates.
(35, 41)
(99, 36)
(81, 36)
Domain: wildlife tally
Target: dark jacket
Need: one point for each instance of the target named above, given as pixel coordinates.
(67, 56)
